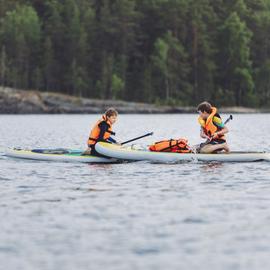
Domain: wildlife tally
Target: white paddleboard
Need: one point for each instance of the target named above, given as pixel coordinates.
(127, 153)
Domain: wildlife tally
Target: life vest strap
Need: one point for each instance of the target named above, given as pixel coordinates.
(178, 143)
(169, 147)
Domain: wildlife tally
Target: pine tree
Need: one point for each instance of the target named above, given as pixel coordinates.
(20, 36)
(170, 70)
(236, 64)
(202, 49)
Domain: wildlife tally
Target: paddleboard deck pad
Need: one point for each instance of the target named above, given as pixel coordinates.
(127, 153)
(58, 154)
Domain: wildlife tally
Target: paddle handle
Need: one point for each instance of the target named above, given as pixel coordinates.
(137, 138)
(228, 120)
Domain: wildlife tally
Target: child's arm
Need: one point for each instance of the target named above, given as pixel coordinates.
(220, 133)
(222, 128)
(112, 140)
(203, 135)
(103, 127)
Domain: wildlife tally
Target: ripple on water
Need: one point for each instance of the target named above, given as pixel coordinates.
(140, 215)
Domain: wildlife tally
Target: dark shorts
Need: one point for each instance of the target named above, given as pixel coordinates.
(94, 152)
(213, 142)
(217, 141)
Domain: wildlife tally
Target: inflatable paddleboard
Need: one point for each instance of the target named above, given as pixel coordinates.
(62, 155)
(127, 153)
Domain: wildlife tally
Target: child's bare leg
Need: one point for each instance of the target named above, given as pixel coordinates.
(226, 148)
(209, 148)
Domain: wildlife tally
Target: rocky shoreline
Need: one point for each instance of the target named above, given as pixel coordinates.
(13, 101)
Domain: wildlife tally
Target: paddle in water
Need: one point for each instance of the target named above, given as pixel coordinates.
(137, 138)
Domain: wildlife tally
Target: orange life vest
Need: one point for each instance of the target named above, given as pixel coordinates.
(177, 146)
(208, 126)
(96, 131)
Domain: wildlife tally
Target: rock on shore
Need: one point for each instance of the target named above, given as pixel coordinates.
(24, 102)
(14, 101)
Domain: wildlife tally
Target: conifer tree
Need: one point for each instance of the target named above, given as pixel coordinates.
(236, 62)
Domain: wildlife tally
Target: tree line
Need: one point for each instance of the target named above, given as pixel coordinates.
(176, 52)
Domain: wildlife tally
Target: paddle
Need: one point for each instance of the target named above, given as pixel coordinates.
(137, 138)
(228, 120)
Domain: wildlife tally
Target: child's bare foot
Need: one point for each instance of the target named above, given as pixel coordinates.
(226, 149)
(87, 152)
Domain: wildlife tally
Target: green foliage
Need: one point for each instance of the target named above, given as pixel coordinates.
(262, 80)
(163, 51)
(20, 34)
(169, 68)
(236, 62)
(117, 86)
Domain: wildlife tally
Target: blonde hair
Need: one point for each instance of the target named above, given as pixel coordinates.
(111, 112)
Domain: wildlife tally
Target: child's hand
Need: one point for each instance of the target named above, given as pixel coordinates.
(215, 136)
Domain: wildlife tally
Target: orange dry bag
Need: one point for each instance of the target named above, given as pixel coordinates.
(172, 145)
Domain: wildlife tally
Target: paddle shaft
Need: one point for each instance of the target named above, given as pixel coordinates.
(137, 138)
(228, 120)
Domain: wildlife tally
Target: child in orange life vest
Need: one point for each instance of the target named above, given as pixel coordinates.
(102, 131)
(212, 129)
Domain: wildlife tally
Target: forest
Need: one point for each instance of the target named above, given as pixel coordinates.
(175, 52)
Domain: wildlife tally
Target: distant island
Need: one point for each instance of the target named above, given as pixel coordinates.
(14, 101)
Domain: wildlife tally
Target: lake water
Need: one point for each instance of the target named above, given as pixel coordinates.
(139, 215)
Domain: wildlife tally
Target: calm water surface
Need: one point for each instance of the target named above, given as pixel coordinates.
(136, 215)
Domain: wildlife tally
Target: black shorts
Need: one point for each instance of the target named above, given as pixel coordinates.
(217, 141)
(94, 152)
